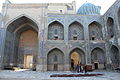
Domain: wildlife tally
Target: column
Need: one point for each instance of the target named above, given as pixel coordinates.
(2, 45)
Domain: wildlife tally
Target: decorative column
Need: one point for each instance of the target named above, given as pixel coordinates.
(66, 33)
(41, 40)
(3, 32)
(107, 46)
(2, 45)
(87, 43)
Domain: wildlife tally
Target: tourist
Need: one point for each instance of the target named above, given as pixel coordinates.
(85, 67)
(77, 68)
(81, 67)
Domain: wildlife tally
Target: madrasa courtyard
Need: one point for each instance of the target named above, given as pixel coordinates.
(55, 38)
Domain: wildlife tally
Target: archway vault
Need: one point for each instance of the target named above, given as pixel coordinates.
(22, 20)
(76, 56)
(115, 56)
(19, 33)
(19, 17)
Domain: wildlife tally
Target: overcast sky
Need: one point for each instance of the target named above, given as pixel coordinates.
(105, 4)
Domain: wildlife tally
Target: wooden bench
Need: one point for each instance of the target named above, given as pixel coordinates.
(118, 69)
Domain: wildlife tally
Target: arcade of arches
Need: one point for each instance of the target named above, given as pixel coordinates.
(21, 45)
(55, 58)
(54, 37)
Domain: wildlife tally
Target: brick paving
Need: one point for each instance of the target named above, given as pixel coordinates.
(33, 75)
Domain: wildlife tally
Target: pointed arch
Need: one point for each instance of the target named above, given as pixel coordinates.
(115, 56)
(22, 15)
(76, 31)
(56, 21)
(21, 20)
(19, 36)
(55, 31)
(55, 60)
(80, 52)
(98, 58)
(76, 22)
(55, 49)
(110, 27)
(95, 31)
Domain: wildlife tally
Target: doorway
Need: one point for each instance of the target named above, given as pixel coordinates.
(72, 64)
(75, 59)
(28, 61)
(96, 65)
(55, 67)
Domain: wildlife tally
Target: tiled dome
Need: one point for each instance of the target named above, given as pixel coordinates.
(89, 9)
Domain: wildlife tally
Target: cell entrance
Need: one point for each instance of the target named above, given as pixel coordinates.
(96, 65)
(55, 67)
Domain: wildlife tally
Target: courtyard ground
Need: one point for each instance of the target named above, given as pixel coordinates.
(33, 75)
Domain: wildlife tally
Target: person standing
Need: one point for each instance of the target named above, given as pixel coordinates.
(80, 67)
(77, 68)
(85, 69)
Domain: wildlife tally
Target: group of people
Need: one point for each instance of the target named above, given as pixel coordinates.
(79, 68)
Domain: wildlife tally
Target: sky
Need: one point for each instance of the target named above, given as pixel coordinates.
(105, 4)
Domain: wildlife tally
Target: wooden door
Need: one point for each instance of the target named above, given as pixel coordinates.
(28, 61)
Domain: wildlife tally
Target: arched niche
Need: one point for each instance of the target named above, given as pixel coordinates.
(115, 56)
(95, 31)
(55, 60)
(110, 27)
(55, 31)
(76, 31)
(98, 58)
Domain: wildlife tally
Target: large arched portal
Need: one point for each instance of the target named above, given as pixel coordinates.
(55, 60)
(21, 43)
(77, 56)
(98, 58)
(115, 57)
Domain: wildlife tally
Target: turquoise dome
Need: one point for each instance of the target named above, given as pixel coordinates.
(89, 9)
